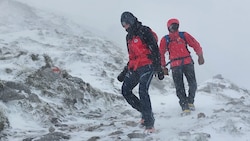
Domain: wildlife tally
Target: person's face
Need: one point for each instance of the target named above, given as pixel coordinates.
(173, 27)
(125, 25)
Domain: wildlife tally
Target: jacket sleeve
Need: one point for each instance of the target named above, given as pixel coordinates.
(192, 42)
(163, 50)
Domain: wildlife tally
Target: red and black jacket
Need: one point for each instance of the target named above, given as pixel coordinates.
(142, 47)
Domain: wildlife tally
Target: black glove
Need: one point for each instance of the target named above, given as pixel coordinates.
(160, 75)
(157, 65)
(122, 75)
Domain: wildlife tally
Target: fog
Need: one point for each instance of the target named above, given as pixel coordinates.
(221, 27)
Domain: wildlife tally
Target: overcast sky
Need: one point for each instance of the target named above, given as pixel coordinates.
(221, 27)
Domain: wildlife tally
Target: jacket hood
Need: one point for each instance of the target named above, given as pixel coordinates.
(128, 18)
(171, 21)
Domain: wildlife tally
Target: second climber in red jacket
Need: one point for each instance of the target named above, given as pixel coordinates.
(181, 62)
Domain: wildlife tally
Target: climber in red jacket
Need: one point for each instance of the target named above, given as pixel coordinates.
(144, 62)
(181, 62)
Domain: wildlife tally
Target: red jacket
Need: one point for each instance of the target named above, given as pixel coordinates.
(177, 49)
(138, 53)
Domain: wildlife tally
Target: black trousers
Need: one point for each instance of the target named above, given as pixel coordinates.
(178, 74)
(143, 77)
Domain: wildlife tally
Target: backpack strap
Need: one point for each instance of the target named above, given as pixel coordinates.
(167, 40)
(181, 34)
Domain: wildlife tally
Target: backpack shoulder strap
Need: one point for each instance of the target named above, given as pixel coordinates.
(181, 34)
(167, 40)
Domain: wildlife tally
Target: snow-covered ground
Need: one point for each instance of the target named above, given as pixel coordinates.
(28, 34)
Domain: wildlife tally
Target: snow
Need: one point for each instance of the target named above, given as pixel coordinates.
(87, 56)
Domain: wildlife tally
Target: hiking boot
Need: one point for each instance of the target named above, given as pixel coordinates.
(191, 107)
(149, 130)
(186, 112)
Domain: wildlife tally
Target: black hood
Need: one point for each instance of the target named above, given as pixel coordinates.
(128, 18)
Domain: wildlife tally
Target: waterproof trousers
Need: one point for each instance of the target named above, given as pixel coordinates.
(143, 77)
(189, 73)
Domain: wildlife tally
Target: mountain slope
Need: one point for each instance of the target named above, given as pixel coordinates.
(37, 33)
(58, 82)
